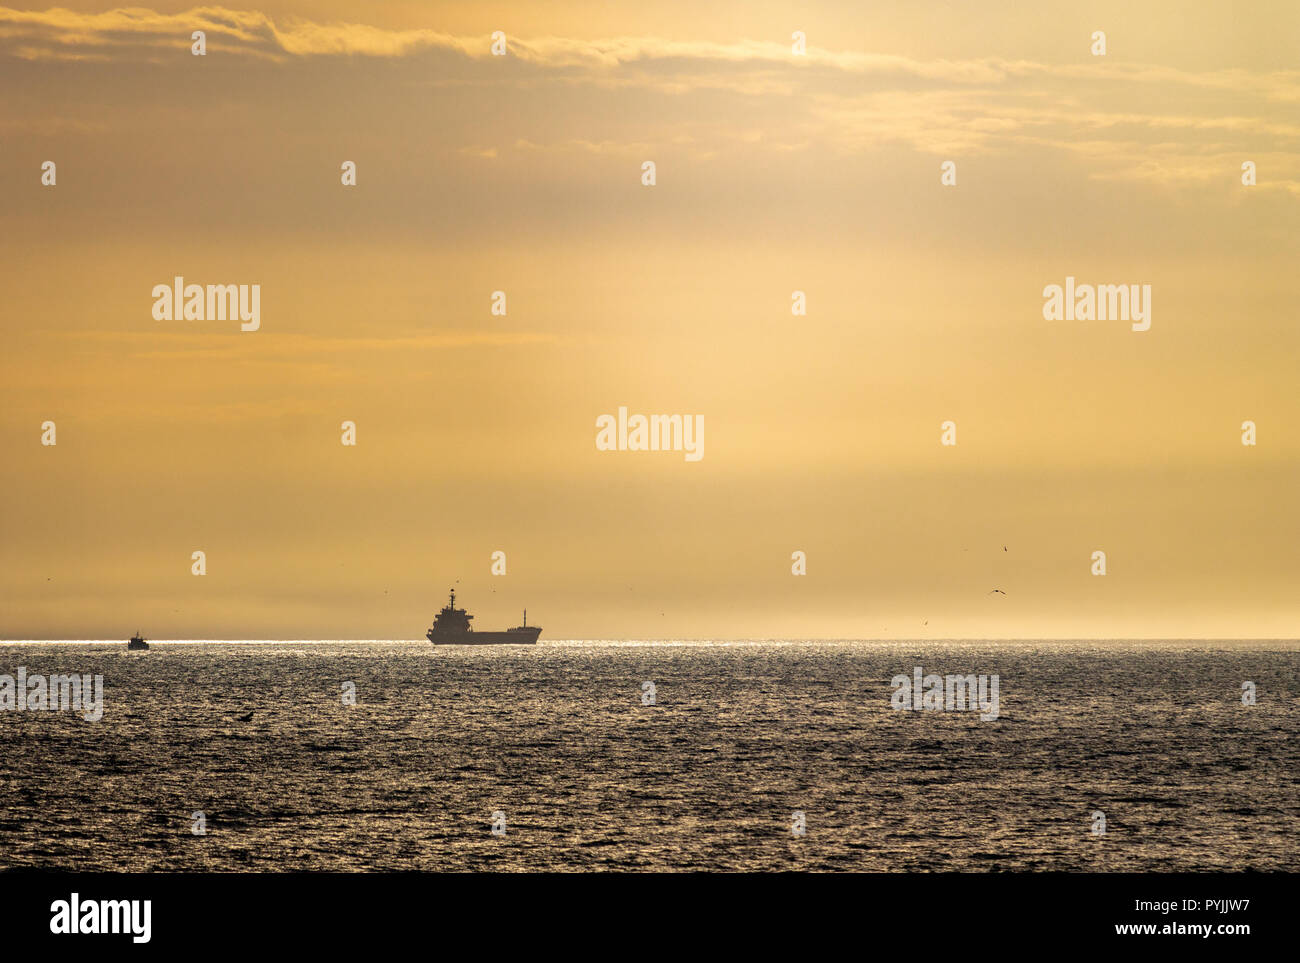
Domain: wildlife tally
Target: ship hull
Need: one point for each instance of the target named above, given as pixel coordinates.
(526, 636)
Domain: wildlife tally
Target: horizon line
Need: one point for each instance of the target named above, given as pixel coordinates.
(1295, 640)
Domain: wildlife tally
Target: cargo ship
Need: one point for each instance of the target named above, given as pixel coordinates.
(451, 627)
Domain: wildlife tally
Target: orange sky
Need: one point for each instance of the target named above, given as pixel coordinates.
(775, 173)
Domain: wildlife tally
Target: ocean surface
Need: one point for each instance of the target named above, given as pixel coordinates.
(742, 736)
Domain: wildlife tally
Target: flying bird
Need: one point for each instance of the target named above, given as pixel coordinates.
(999, 591)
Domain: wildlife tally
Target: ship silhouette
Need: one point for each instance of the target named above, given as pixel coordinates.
(451, 627)
(137, 642)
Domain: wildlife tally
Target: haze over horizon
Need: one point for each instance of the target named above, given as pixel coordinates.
(775, 173)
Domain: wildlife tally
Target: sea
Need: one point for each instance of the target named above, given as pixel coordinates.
(762, 755)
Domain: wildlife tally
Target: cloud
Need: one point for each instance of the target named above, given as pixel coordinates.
(290, 346)
(736, 99)
(65, 34)
(60, 34)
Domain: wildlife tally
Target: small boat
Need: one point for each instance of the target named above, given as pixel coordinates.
(137, 642)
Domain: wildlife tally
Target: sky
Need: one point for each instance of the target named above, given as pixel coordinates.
(774, 173)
